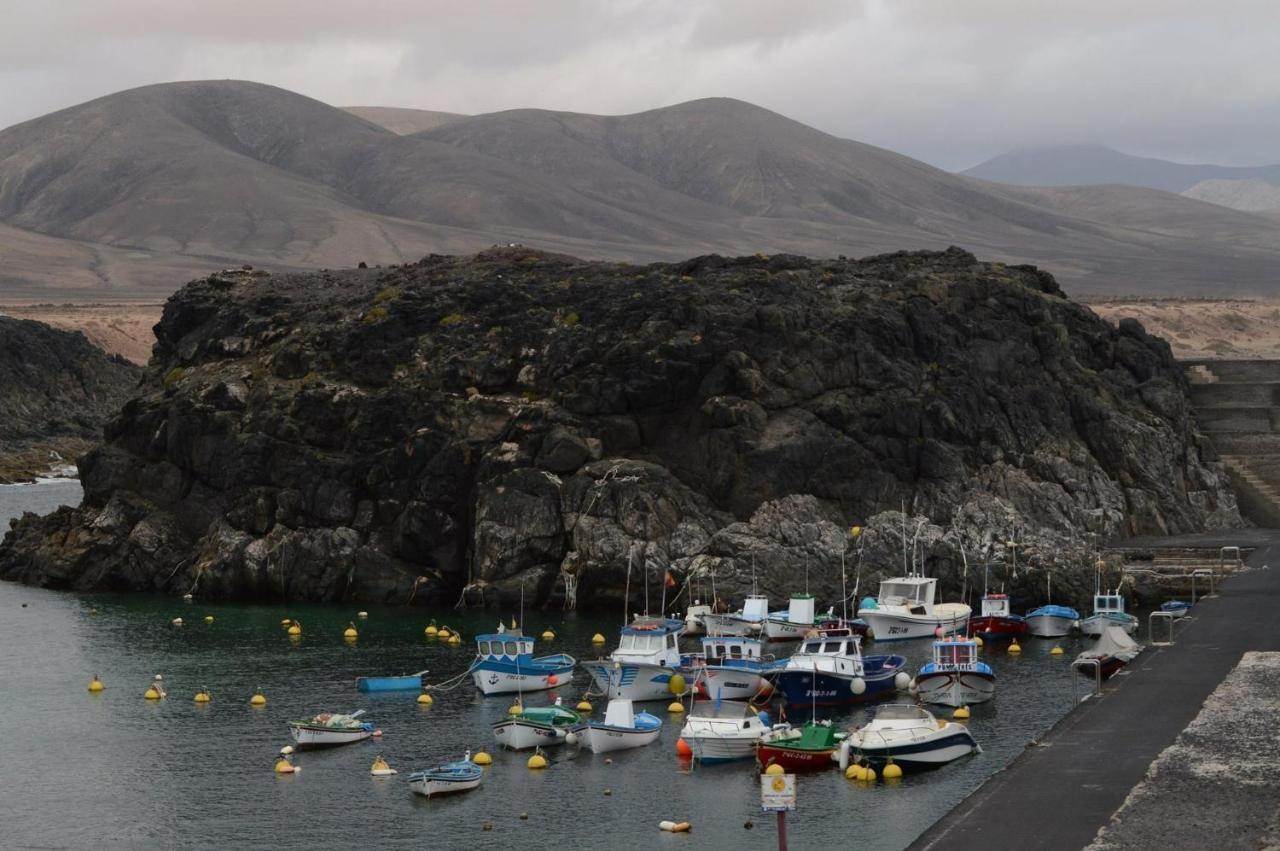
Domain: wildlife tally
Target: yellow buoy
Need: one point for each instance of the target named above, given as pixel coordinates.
(977, 641)
(515, 709)
(891, 771)
(513, 624)
(208, 618)
(152, 693)
(283, 766)
(431, 630)
(455, 639)
(1057, 651)
(537, 760)
(380, 768)
(258, 699)
(95, 685)
(597, 639)
(774, 769)
(853, 772)
(295, 628)
(676, 684)
(961, 713)
(443, 632)
(425, 699)
(584, 706)
(676, 707)
(482, 758)
(548, 635)
(350, 631)
(1014, 648)
(675, 826)
(869, 774)
(285, 622)
(202, 696)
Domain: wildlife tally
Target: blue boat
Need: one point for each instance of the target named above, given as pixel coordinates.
(1178, 608)
(830, 670)
(408, 682)
(459, 776)
(505, 665)
(640, 669)
(1052, 621)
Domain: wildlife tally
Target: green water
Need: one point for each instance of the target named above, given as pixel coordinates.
(114, 769)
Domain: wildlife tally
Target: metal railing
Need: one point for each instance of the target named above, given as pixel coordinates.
(1170, 617)
(1097, 675)
(1202, 573)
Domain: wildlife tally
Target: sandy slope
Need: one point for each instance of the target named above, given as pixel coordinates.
(1225, 328)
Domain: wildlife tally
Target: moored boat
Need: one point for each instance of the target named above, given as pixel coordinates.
(749, 620)
(640, 668)
(536, 726)
(722, 731)
(728, 668)
(693, 624)
(1052, 621)
(955, 677)
(829, 670)
(997, 623)
(408, 682)
(809, 748)
(1114, 650)
(905, 608)
(505, 664)
(794, 622)
(329, 729)
(1108, 610)
(622, 728)
(1177, 608)
(460, 776)
(910, 736)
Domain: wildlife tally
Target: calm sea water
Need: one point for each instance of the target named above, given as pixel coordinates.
(113, 769)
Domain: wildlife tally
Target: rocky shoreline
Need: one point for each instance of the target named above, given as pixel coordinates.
(515, 418)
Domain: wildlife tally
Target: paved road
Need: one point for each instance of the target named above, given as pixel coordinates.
(1061, 791)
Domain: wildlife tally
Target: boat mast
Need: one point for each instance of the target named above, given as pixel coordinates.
(626, 594)
(844, 589)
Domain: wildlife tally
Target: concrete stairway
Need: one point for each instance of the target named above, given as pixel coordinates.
(1182, 572)
(1237, 404)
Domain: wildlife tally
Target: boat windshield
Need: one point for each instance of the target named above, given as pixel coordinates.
(641, 643)
(1108, 603)
(901, 712)
(908, 590)
(724, 709)
(958, 653)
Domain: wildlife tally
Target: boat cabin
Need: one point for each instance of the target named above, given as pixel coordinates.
(995, 605)
(956, 655)
(506, 646)
(1104, 604)
(800, 611)
(756, 608)
(652, 640)
(722, 649)
(915, 593)
(831, 645)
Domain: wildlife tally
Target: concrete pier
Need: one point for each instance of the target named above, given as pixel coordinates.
(1091, 778)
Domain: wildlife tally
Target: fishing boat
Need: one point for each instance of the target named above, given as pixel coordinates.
(536, 726)
(1177, 608)
(1049, 620)
(329, 729)
(997, 623)
(622, 728)
(1114, 650)
(1108, 610)
(640, 669)
(460, 776)
(809, 748)
(905, 608)
(794, 622)
(505, 664)
(955, 677)
(722, 731)
(910, 736)
(408, 682)
(749, 620)
(693, 624)
(728, 668)
(830, 670)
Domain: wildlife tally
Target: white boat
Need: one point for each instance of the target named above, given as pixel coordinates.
(537, 727)
(622, 728)
(460, 776)
(640, 669)
(912, 737)
(749, 620)
(1114, 650)
(1108, 610)
(794, 622)
(505, 664)
(330, 728)
(728, 668)
(955, 677)
(905, 609)
(723, 731)
(1052, 621)
(693, 624)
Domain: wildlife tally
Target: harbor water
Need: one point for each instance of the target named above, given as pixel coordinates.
(113, 769)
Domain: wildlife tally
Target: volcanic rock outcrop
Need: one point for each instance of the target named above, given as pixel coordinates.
(517, 417)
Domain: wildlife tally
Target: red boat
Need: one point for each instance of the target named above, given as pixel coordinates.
(807, 749)
(996, 623)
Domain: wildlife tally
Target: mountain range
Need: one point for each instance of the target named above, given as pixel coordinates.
(131, 194)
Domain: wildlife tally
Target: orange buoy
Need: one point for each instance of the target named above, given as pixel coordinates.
(683, 750)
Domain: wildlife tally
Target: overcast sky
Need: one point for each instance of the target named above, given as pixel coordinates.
(951, 82)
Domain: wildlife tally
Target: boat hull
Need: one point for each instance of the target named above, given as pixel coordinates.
(955, 688)
(430, 788)
(998, 627)
(517, 735)
(778, 629)
(929, 753)
(795, 759)
(801, 688)
(631, 680)
(603, 738)
(1095, 624)
(888, 625)
(505, 682)
(1109, 666)
(374, 684)
(305, 736)
(715, 624)
(716, 749)
(714, 683)
(1050, 626)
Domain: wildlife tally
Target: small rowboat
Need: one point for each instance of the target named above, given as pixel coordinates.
(460, 776)
(538, 726)
(329, 729)
(622, 728)
(408, 682)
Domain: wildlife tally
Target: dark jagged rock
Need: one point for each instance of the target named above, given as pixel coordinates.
(56, 391)
(396, 434)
